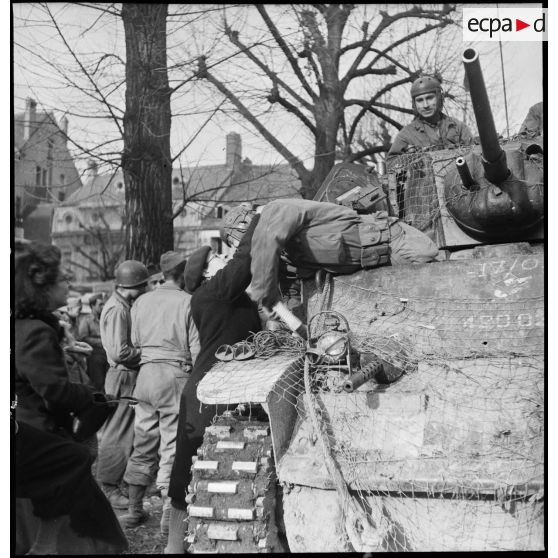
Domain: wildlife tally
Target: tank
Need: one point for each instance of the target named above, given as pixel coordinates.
(413, 419)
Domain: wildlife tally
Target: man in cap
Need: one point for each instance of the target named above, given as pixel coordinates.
(115, 328)
(223, 314)
(321, 235)
(431, 127)
(162, 326)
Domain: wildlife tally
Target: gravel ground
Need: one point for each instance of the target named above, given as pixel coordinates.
(147, 538)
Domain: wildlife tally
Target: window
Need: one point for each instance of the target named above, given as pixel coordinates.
(50, 145)
(62, 179)
(38, 175)
(45, 174)
(119, 185)
(68, 218)
(61, 196)
(220, 212)
(176, 180)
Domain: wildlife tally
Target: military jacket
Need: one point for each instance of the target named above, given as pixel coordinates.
(447, 132)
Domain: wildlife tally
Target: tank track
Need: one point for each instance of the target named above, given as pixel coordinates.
(232, 496)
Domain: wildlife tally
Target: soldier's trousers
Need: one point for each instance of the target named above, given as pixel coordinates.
(117, 434)
(158, 388)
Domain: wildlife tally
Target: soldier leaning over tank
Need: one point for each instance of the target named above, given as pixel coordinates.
(431, 127)
(533, 123)
(321, 235)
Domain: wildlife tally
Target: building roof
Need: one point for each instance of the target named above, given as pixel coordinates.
(105, 189)
(19, 121)
(255, 183)
(262, 183)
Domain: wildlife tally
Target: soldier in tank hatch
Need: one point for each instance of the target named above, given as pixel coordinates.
(431, 126)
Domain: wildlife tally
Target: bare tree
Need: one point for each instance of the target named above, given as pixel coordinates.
(146, 158)
(109, 246)
(314, 80)
(123, 89)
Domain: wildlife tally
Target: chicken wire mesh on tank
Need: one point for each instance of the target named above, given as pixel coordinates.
(450, 456)
(418, 193)
(444, 453)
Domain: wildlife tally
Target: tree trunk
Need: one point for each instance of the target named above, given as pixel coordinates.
(328, 112)
(146, 160)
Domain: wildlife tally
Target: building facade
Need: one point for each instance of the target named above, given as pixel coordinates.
(88, 226)
(44, 171)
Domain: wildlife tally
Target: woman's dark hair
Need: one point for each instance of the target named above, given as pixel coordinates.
(36, 270)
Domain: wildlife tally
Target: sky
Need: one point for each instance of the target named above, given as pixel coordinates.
(522, 64)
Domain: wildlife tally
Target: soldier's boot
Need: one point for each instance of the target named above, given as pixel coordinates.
(165, 515)
(115, 496)
(136, 514)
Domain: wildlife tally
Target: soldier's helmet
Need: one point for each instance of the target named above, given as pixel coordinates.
(235, 223)
(130, 274)
(427, 84)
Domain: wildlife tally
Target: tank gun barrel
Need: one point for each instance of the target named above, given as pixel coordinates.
(494, 158)
(465, 174)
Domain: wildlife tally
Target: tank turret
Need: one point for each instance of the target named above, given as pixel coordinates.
(490, 197)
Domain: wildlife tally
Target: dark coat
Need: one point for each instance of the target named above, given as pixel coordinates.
(45, 395)
(53, 472)
(223, 314)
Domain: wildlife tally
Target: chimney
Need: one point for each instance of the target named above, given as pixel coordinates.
(64, 126)
(90, 172)
(234, 150)
(30, 119)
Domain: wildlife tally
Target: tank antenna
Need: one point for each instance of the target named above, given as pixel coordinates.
(504, 82)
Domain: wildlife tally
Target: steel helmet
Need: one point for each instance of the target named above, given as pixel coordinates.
(235, 223)
(131, 273)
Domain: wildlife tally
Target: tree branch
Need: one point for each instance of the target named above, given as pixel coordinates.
(368, 151)
(234, 38)
(388, 20)
(294, 161)
(286, 50)
(366, 104)
(393, 85)
(198, 132)
(85, 72)
(409, 37)
(368, 71)
(275, 97)
(369, 107)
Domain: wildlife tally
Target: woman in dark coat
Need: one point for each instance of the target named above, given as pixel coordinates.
(52, 470)
(223, 314)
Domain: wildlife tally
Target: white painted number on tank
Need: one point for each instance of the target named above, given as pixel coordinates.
(529, 264)
(495, 268)
(500, 321)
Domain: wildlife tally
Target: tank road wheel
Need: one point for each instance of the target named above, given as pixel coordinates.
(232, 496)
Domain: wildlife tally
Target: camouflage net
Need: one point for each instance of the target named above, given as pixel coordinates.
(415, 184)
(450, 455)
